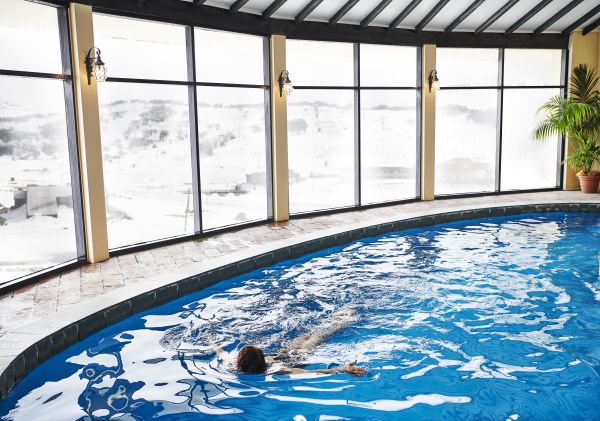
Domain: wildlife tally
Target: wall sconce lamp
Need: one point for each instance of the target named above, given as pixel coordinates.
(434, 82)
(95, 66)
(285, 84)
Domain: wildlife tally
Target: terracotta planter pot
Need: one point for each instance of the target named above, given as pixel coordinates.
(589, 183)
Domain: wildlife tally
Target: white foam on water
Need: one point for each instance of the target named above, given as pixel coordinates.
(387, 405)
(320, 389)
(419, 372)
(595, 290)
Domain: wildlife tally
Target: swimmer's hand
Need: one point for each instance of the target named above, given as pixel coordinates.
(350, 368)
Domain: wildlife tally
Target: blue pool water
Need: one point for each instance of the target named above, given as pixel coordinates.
(493, 319)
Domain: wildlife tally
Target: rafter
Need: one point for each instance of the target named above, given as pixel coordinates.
(537, 9)
(562, 12)
(591, 26)
(177, 11)
(407, 11)
(272, 8)
(496, 16)
(237, 5)
(581, 20)
(374, 13)
(432, 13)
(343, 10)
(308, 9)
(468, 11)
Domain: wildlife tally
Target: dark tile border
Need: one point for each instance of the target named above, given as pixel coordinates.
(29, 355)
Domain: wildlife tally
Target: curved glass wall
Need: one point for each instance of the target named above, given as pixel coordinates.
(186, 129)
(39, 191)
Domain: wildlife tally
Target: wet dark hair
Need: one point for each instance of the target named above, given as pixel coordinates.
(251, 359)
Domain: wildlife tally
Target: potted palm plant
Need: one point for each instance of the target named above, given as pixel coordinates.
(577, 117)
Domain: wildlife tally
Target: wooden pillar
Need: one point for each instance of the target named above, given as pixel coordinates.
(281, 206)
(427, 125)
(88, 134)
(583, 49)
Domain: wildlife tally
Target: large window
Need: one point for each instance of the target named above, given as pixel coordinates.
(184, 137)
(466, 120)
(352, 128)
(232, 132)
(145, 131)
(321, 132)
(39, 191)
(531, 77)
(485, 114)
(388, 112)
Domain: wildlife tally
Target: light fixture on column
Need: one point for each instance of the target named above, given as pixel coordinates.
(285, 84)
(434, 82)
(95, 66)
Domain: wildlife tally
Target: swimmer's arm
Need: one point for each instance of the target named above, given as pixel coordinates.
(346, 368)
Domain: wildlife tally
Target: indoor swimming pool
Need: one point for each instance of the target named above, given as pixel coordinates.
(494, 318)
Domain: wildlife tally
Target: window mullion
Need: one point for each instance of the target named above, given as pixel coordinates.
(357, 128)
(193, 113)
(499, 113)
(65, 46)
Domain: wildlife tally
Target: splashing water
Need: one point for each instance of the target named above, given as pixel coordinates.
(489, 319)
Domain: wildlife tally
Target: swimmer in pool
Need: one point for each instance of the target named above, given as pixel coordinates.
(251, 359)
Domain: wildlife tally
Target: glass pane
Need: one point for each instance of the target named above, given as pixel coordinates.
(313, 63)
(526, 164)
(384, 65)
(226, 57)
(147, 163)
(231, 124)
(388, 145)
(34, 40)
(467, 66)
(321, 149)
(141, 49)
(36, 205)
(465, 141)
(532, 67)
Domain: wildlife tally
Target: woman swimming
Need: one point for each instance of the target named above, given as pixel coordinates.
(286, 360)
(251, 359)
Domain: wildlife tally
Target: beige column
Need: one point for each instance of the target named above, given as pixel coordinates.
(88, 134)
(281, 207)
(582, 49)
(427, 125)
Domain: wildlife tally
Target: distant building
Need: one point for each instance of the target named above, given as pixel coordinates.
(43, 200)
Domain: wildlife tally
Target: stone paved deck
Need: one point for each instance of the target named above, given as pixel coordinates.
(35, 302)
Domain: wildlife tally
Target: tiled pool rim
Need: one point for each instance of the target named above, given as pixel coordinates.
(22, 351)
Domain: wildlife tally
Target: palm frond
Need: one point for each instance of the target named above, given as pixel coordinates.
(583, 84)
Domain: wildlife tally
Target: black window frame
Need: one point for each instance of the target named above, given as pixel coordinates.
(192, 83)
(73, 149)
(357, 88)
(501, 87)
